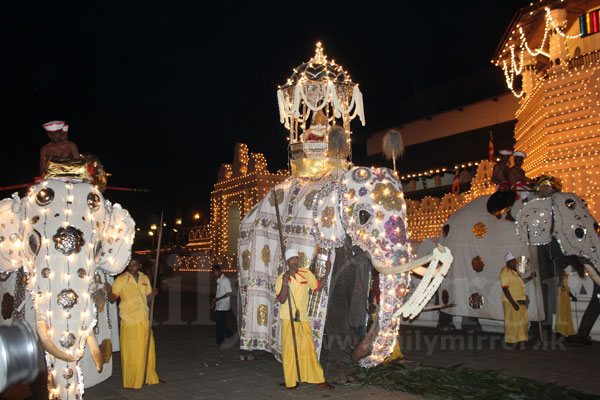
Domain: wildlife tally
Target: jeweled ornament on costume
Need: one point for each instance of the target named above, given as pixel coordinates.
(68, 240)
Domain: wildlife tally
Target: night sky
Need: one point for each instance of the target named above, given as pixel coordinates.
(162, 90)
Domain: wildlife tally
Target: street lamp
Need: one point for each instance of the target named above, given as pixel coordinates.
(178, 221)
(197, 216)
(153, 227)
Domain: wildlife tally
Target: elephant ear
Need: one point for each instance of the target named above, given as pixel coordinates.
(119, 230)
(328, 229)
(534, 222)
(575, 228)
(10, 238)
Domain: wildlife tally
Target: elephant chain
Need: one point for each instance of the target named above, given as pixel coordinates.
(107, 305)
(20, 289)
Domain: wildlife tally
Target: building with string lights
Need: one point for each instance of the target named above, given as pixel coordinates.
(550, 55)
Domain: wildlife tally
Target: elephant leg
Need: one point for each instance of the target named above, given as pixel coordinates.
(445, 322)
(589, 316)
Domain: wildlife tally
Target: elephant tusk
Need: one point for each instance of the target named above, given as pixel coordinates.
(401, 268)
(593, 274)
(49, 346)
(96, 353)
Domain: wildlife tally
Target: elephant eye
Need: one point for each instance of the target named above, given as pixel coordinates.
(97, 250)
(34, 242)
(445, 230)
(363, 217)
(579, 232)
(570, 204)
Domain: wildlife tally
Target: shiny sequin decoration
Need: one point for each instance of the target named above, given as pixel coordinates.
(445, 296)
(81, 273)
(477, 264)
(13, 238)
(68, 373)
(67, 298)
(4, 276)
(523, 264)
(35, 219)
(476, 301)
(479, 230)
(44, 197)
(262, 315)
(266, 255)
(246, 260)
(93, 201)
(46, 273)
(68, 240)
(67, 340)
(361, 175)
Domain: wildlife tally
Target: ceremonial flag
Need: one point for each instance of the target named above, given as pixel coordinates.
(455, 184)
(491, 147)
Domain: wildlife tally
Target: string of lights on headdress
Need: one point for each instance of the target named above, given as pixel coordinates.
(318, 84)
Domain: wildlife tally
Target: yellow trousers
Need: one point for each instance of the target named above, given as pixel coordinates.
(516, 323)
(133, 339)
(310, 369)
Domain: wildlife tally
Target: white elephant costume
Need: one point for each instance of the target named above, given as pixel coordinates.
(68, 239)
(366, 204)
(479, 242)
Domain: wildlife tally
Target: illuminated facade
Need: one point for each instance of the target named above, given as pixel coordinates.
(239, 187)
(551, 60)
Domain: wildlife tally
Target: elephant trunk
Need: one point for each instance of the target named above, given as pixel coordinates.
(365, 346)
(49, 346)
(95, 350)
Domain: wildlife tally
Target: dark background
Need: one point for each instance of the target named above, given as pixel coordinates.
(162, 90)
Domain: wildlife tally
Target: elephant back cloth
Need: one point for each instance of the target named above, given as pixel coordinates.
(317, 214)
(479, 242)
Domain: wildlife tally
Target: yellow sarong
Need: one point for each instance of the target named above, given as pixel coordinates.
(564, 319)
(310, 369)
(133, 310)
(516, 322)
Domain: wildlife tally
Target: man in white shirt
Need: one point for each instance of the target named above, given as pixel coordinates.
(222, 304)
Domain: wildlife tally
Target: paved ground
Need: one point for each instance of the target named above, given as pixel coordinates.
(195, 368)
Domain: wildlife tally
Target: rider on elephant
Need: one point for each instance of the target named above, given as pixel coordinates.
(500, 172)
(518, 180)
(58, 146)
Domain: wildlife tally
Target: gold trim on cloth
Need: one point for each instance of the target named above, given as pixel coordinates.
(67, 168)
(311, 168)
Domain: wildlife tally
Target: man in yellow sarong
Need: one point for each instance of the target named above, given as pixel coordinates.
(514, 300)
(564, 319)
(133, 289)
(296, 282)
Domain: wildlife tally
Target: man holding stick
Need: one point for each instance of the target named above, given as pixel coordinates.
(296, 281)
(133, 288)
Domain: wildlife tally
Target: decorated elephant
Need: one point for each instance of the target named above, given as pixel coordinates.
(480, 241)
(60, 243)
(357, 220)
